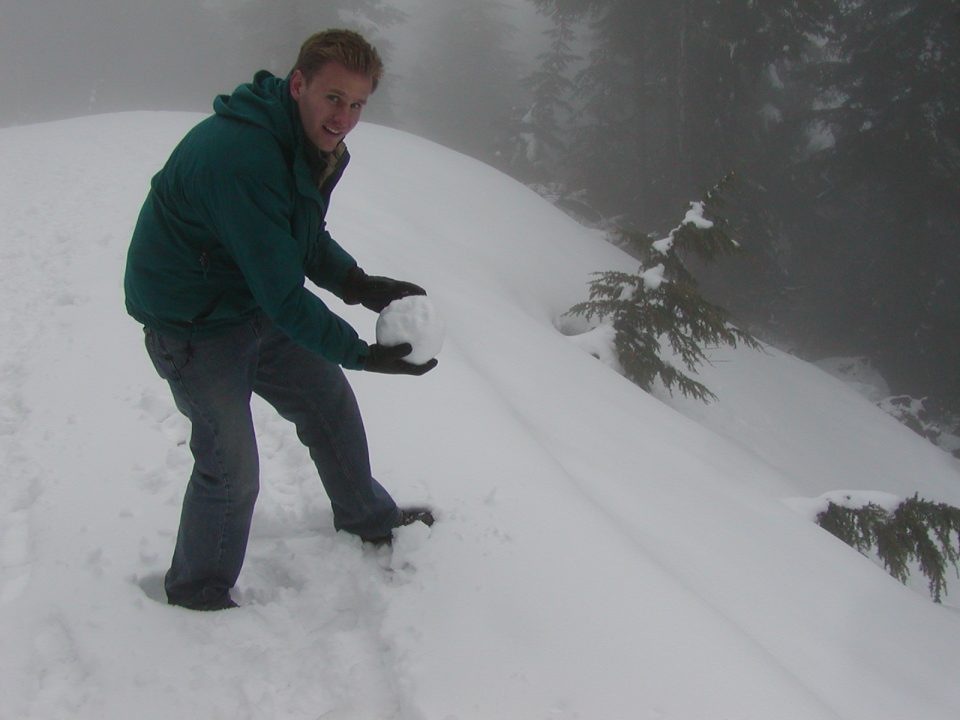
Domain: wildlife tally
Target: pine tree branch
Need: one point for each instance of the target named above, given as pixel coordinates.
(660, 303)
(918, 531)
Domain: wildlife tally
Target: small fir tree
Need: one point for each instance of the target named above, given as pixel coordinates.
(916, 531)
(660, 303)
(539, 140)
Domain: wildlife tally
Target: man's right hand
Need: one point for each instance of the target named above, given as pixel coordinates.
(375, 292)
(389, 360)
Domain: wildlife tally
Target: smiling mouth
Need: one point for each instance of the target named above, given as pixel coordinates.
(331, 131)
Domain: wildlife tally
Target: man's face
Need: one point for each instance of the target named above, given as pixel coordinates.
(330, 102)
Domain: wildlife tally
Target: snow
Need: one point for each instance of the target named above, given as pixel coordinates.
(599, 341)
(695, 216)
(812, 507)
(771, 114)
(858, 373)
(773, 76)
(664, 245)
(653, 278)
(599, 552)
(413, 320)
(820, 137)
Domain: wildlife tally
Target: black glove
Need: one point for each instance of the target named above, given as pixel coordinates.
(374, 292)
(387, 359)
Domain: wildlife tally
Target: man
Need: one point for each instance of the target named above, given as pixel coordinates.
(230, 229)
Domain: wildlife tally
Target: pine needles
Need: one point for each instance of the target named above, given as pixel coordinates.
(917, 531)
(661, 303)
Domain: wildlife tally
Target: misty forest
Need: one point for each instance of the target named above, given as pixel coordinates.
(835, 122)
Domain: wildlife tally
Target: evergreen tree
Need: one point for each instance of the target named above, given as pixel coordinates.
(539, 142)
(890, 189)
(676, 93)
(624, 150)
(660, 303)
(840, 118)
(917, 531)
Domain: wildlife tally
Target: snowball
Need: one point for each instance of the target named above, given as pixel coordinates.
(413, 320)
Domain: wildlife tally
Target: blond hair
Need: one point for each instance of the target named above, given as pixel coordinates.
(346, 47)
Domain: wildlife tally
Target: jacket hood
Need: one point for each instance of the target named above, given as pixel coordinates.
(266, 103)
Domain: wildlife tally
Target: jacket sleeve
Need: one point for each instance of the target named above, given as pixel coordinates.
(251, 216)
(327, 263)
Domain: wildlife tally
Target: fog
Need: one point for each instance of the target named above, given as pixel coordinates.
(454, 66)
(626, 111)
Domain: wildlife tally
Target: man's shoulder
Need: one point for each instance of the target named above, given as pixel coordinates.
(223, 145)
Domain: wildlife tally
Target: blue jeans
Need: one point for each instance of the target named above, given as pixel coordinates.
(212, 380)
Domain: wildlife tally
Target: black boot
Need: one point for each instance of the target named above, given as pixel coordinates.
(406, 516)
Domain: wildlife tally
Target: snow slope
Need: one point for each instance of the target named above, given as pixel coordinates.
(598, 554)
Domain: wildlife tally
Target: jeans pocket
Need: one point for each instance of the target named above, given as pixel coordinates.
(169, 355)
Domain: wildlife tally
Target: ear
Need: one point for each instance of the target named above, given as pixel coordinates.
(297, 83)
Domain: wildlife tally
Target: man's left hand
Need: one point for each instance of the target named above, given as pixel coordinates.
(375, 292)
(389, 360)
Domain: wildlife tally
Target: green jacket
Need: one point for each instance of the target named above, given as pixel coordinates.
(234, 223)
